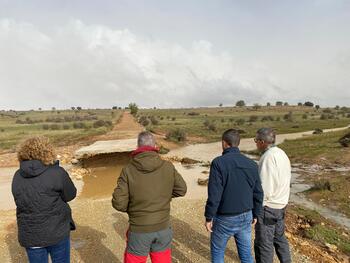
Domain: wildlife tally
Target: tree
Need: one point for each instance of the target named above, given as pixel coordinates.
(286, 104)
(300, 104)
(133, 108)
(279, 103)
(220, 105)
(256, 106)
(240, 103)
(308, 104)
(114, 107)
(79, 108)
(53, 108)
(73, 108)
(268, 104)
(317, 107)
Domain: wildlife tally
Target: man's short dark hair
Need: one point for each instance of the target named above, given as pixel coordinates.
(231, 137)
(267, 135)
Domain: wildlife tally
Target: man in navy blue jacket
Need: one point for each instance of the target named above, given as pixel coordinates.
(235, 199)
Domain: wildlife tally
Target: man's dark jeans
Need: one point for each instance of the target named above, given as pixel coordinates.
(269, 235)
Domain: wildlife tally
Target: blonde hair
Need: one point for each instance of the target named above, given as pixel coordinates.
(36, 148)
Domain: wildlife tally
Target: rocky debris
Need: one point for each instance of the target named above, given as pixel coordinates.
(79, 173)
(186, 160)
(202, 181)
(74, 161)
(345, 140)
(331, 247)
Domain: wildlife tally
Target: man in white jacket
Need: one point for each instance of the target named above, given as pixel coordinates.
(275, 175)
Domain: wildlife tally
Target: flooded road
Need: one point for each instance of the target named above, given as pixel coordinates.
(208, 151)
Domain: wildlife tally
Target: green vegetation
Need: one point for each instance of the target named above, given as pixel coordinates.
(333, 190)
(209, 123)
(61, 126)
(321, 230)
(313, 148)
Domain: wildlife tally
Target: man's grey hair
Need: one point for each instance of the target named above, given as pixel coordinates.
(146, 138)
(267, 135)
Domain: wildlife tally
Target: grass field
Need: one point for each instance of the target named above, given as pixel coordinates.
(209, 123)
(312, 148)
(63, 127)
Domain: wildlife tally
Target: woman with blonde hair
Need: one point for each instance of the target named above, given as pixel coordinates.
(42, 190)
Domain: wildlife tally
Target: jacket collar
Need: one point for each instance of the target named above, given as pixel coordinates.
(143, 149)
(231, 150)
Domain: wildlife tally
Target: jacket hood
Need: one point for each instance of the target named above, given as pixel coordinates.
(33, 168)
(147, 161)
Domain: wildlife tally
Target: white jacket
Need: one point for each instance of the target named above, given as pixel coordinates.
(275, 173)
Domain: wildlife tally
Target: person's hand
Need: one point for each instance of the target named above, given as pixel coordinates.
(209, 226)
(255, 220)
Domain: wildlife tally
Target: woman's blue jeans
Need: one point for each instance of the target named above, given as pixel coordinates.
(224, 227)
(59, 253)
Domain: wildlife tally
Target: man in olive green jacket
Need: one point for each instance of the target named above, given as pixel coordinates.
(144, 191)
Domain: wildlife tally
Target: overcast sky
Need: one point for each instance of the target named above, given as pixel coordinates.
(173, 53)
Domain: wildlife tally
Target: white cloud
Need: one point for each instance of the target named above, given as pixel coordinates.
(96, 66)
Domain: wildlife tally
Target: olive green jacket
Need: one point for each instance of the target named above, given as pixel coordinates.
(145, 189)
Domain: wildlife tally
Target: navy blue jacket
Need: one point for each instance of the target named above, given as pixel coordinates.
(234, 185)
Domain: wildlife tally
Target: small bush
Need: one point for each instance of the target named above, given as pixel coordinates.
(177, 135)
(66, 127)
(240, 122)
(288, 116)
(45, 127)
(154, 121)
(173, 118)
(206, 123)
(305, 116)
(212, 127)
(144, 121)
(55, 127)
(79, 125)
(193, 113)
(253, 118)
(317, 131)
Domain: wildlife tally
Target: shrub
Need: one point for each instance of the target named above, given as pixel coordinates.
(305, 116)
(173, 118)
(240, 122)
(328, 110)
(222, 120)
(79, 125)
(177, 135)
(206, 123)
(45, 127)
(101, 123)
(193, 113)
(66, 127)
(55, 127)
(144, 121)
(253, 118)
(317, 131)
(154, 121)
(212, 127)
(267, 118)
(288, 116)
